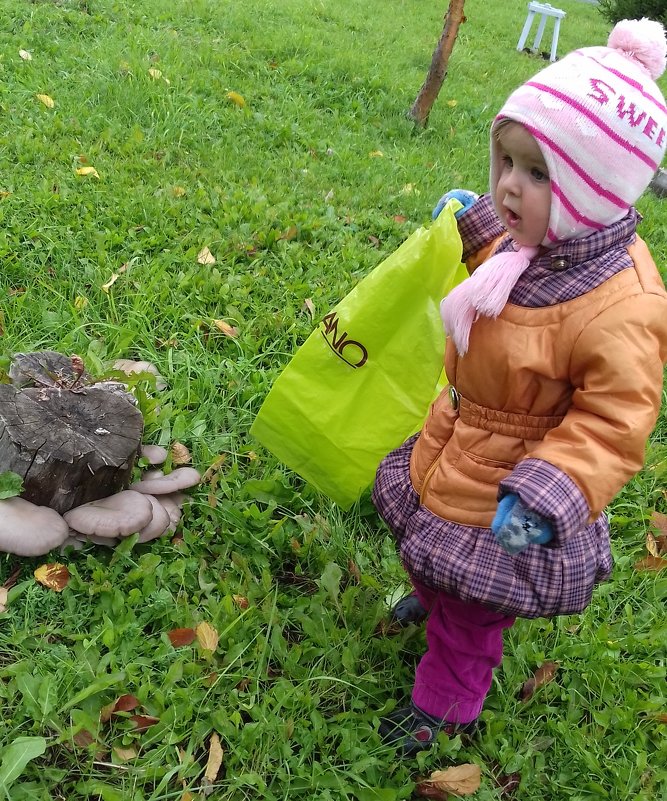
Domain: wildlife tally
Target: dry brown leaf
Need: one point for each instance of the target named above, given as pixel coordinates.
(84, 171)
(48, 101)
(652, 545)
(4, 592)
(187, 796)
(652, 564)
(215, 754)
(205, 256)
(54, 576)
(399, 218)
(26, 55)
(144, 722)
(106, 287)
(290, 233)
(310, 308)
(227, 329)
(180, 454)
(659, 522)
(241, 601)
(354, 571)
(460, 780)
(213, 468)
(83, 738)
(207, 636)
(236, 98)
(124, 754)
(374, 241)
(544, 674)
(181, 637)
(661, 717)
(125, 703)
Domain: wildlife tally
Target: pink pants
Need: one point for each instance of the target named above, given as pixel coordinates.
(465, 644)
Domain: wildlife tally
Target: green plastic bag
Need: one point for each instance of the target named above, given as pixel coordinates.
(363, 381)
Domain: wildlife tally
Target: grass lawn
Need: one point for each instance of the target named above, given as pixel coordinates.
(298, 193)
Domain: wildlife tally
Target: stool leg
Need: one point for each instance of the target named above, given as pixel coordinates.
(540, 31)
(526, 30)
(554, 41)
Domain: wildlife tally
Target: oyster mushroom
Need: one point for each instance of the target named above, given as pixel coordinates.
(155, 454)
(129, 366)
(179, 479)
(30, 530)
(173, 504)
(116, 516)
(159, 524)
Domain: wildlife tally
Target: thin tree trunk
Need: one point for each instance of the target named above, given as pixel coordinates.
(421, 108)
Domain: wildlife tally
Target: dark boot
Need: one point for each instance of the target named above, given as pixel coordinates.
(408, 610)
(411, 730)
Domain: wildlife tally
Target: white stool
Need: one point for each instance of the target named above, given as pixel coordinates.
(544, 10)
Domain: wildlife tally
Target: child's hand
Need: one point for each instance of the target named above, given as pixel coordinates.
(516, 527)
(464, 196)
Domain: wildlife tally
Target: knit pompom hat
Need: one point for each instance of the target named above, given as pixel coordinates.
(601, 124)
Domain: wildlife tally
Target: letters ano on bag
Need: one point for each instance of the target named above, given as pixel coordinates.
(348, 350)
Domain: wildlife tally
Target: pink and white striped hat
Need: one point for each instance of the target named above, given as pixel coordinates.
(601, 124)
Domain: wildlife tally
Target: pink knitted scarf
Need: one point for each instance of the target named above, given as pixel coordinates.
(484, 294)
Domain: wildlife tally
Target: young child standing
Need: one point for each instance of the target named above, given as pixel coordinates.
(555, 354)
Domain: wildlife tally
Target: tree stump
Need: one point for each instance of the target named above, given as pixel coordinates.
(71, 440)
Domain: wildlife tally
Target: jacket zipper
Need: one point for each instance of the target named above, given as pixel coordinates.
(428, 475)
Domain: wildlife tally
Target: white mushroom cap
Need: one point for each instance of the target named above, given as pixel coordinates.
(155, 454)
(29, 530)
(179, 479)
(129, 366)
(158, 525)
(116, 516)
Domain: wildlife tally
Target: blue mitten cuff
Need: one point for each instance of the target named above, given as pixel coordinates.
(465, 197)
(516, 527)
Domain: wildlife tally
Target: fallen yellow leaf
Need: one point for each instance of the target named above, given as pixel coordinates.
(236, 98)
(227, 329)
(459, 780)
(49, 102)
(207, 636)
(452, 103)
(205, 257)
(376, 154)
(80, 302)
(4, 194)
(25, 55)
(54, 576)
(83, 171)
(177, 191)
(180, 454)
(215, 754)
(155, 73)
(4, 592)
(241, 601)
(106, 287)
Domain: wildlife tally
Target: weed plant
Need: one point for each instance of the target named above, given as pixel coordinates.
(299, 193)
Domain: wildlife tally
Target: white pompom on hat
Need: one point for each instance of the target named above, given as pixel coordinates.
(601, 124)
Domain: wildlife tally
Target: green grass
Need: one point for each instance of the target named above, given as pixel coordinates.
(299, 676)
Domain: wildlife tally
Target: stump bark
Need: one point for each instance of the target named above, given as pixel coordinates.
(71, 442)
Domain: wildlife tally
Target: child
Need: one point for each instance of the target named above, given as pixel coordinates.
(555, 356)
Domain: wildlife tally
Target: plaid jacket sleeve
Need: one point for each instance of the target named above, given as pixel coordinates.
(479, 226)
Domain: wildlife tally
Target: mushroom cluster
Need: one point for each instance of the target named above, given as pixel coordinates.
(150, 507)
